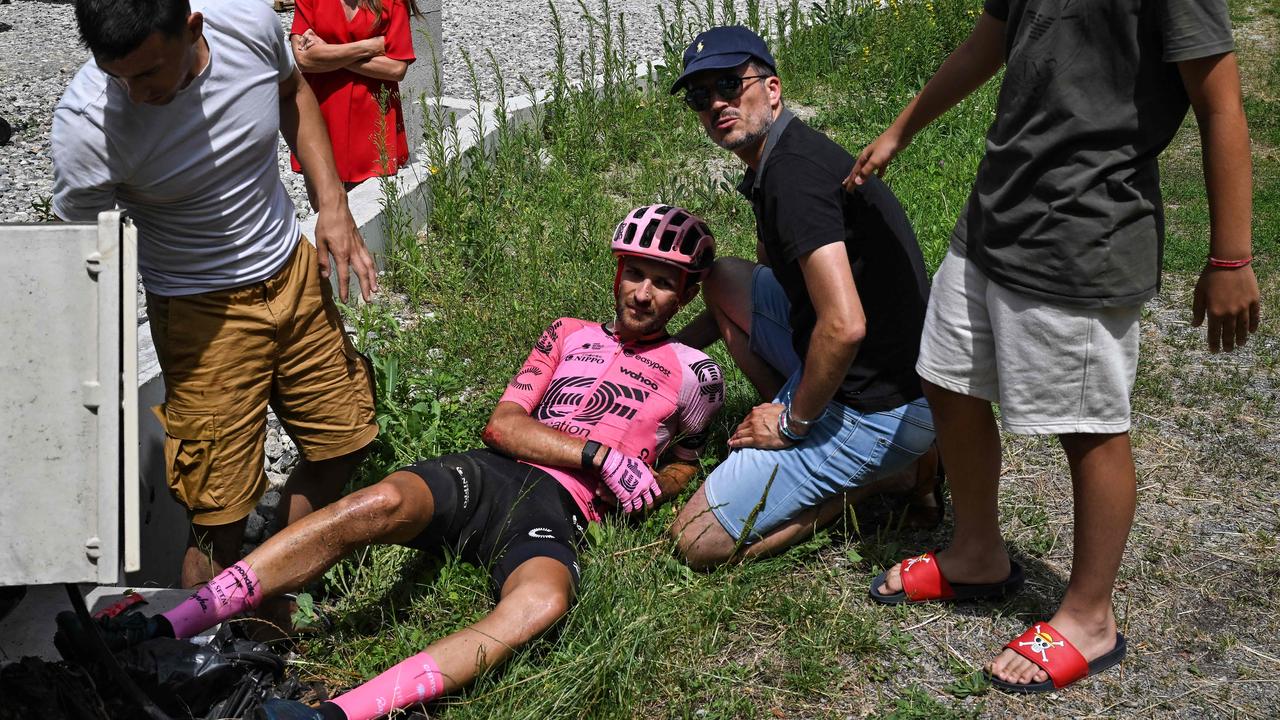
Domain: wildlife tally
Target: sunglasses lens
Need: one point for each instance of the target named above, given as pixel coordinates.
(698, 99)
(728, 86)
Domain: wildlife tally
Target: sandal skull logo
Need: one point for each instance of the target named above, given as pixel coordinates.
(912, 561)
(1041, 643)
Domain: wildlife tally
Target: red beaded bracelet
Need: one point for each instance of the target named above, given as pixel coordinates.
(1229, 264)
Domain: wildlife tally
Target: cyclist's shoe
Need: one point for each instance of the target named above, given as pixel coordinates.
(276, 709)
(75, 644)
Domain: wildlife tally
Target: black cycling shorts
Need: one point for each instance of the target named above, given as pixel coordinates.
(498, 513)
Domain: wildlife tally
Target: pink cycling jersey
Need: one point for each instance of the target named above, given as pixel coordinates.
(637, 397)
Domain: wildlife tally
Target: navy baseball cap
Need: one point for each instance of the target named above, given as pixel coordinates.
(727, 46)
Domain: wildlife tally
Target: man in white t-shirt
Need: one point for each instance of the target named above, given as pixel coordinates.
(175, 120)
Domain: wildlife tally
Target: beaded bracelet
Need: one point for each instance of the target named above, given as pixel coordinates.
(1229, 264)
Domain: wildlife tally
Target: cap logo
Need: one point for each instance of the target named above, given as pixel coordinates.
(700, 46)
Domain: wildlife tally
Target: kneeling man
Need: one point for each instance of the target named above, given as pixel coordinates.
(827, 323)
(592, 409)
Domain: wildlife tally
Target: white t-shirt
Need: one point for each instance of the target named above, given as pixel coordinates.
(199, 176)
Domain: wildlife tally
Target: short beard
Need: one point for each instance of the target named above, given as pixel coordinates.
(746, 140)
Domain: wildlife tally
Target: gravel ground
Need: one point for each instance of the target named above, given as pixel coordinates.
(519, 35)
(40, 52)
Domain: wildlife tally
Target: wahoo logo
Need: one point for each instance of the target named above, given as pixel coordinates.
(527, 371)
(608, 398)
(541, 533)
(466, 487)
(647, 361)
(639, 377)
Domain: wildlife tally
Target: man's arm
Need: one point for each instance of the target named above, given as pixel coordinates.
(336, 233)
(970, 65)
(1227, 296)
(513, 432)
(839, 330)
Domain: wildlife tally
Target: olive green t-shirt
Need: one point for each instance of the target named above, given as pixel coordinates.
(1066, 204)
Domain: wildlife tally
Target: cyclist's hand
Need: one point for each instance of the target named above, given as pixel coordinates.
(630, 480)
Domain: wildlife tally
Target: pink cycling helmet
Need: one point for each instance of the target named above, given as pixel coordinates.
(667, 234)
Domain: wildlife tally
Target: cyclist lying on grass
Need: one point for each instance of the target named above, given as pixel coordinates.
(593, 406)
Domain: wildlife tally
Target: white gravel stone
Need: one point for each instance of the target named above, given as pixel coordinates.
(41, 51)
(521, 38)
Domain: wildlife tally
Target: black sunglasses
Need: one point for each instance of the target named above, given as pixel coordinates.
(728, 87)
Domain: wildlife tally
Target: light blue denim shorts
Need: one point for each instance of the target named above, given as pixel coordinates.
(844, 450)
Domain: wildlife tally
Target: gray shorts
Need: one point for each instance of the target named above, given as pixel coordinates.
(1054, 369)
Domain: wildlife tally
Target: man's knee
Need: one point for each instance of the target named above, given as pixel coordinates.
(729, 282)
(698, 536)
(539, 604)
(380, 507)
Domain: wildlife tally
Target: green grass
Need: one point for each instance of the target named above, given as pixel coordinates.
(519, 237)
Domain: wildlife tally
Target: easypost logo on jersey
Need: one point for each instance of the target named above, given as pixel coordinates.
(647, 361)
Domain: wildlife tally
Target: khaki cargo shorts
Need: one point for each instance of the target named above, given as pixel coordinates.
(227, 355)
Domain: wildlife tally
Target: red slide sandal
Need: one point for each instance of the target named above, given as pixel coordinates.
(1054, 654)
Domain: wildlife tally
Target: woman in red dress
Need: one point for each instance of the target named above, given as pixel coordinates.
(353, 52)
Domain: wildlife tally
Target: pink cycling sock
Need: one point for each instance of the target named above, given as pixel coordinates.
(415, 680)
(233, 591)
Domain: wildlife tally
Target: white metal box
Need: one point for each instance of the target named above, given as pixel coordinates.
(68, 393)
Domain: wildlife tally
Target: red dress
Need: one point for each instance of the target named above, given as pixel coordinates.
(348, 100)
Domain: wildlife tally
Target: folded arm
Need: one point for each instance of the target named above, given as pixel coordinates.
(364, 57)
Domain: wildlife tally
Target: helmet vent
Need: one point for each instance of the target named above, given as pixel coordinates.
(668, 239)
(646, 240)
(630, 235)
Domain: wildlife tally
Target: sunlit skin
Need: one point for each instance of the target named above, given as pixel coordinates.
(155, 72)
(740, 124)
(649, 294)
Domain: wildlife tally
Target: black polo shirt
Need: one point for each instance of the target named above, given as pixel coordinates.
(801, 206)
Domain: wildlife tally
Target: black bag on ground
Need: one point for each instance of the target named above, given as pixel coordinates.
(35, 688)
(187, 680)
